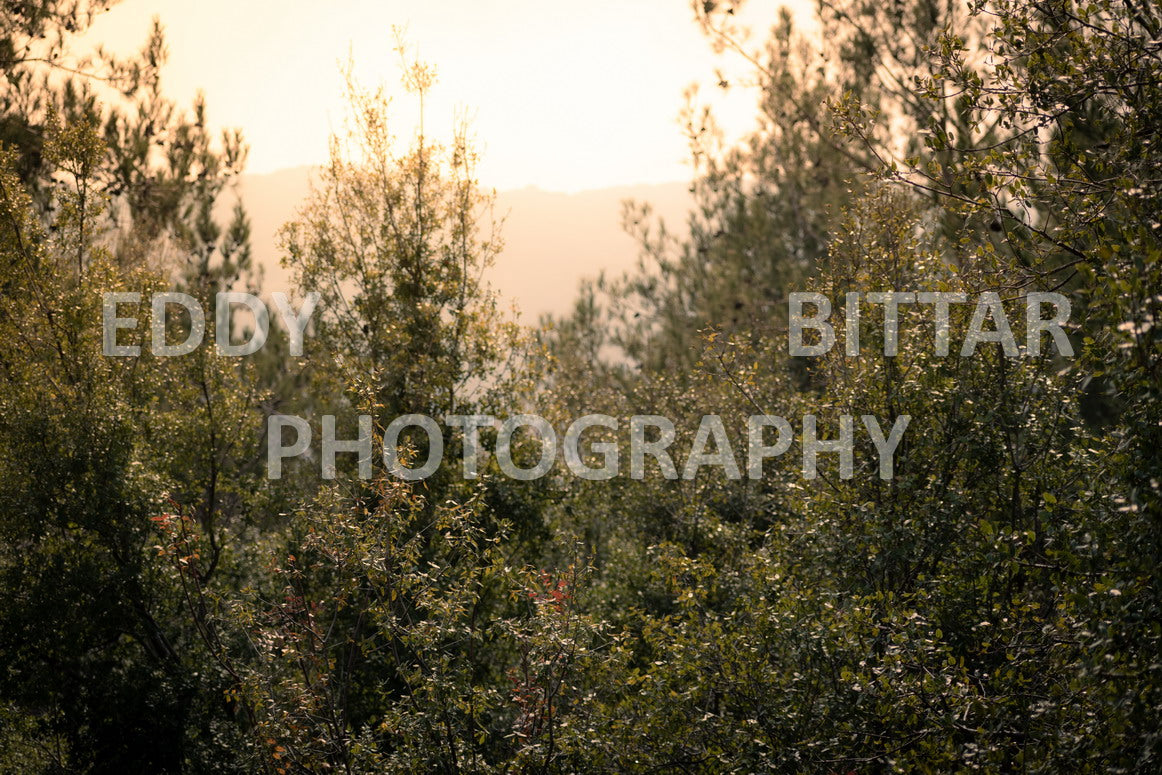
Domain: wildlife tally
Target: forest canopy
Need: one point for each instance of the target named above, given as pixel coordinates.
(947, 211)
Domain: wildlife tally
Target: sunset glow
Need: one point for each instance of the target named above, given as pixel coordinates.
(562, 96)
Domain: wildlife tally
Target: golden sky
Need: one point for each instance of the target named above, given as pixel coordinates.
(564, 95)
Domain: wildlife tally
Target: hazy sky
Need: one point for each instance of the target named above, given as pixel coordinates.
(565, 95)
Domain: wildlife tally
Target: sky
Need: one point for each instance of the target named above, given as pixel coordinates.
(565, 95)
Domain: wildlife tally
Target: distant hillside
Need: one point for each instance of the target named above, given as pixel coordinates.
(551, 240)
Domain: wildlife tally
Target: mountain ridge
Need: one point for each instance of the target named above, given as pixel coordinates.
(552, 239)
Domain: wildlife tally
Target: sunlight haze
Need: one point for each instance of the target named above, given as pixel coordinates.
(566, 97)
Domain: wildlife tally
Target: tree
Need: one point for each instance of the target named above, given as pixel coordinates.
(392, 241)
(987, 606)
(104, 677)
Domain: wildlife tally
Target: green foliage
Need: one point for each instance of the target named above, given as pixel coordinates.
(392, 239)
(993, 606)
(103, 675)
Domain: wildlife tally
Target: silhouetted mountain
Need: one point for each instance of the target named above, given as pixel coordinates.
(551, 240)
